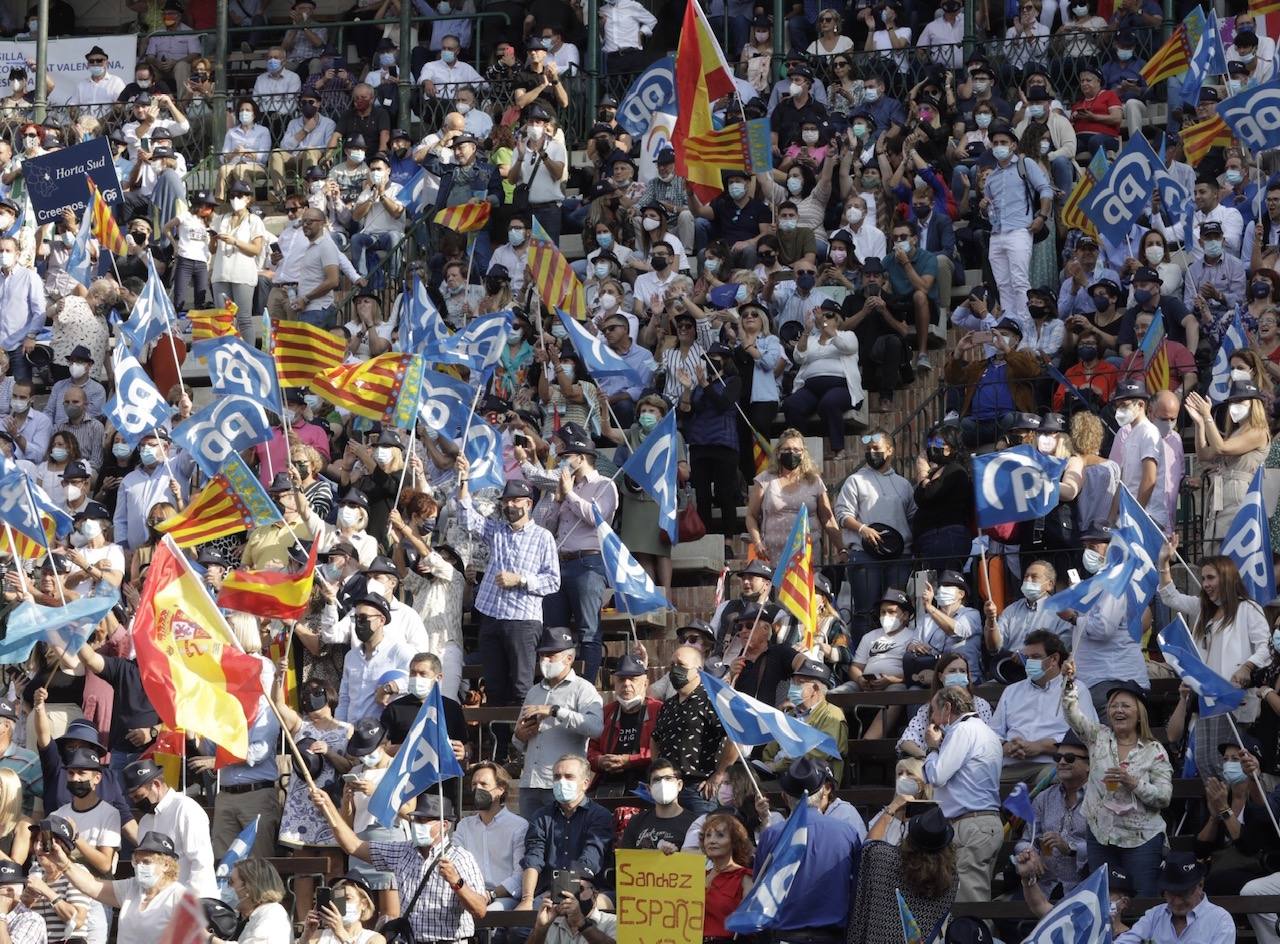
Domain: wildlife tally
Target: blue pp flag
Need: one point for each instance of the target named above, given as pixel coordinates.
(137, 407)
(1124, 192)
(236, 369)
(445, 405)
(152, 313)
(595, 354)
(1251, 116)
(23, 506)
(238, 849)
(421, 326)
(759, 908)
(478, 346)
(415, 193)
(653, 467)
(1018, 802)
(653, 91)
(633, 590)
(227, 425)
(1248, 543)
(483, 449)
(425, 759)
(1172, 194)
(79, 265)
(1233, 339)
(1082, 917)
(748, 721)
(1217, 695)
(1208, 59)
(1018, 484)
(64, 628)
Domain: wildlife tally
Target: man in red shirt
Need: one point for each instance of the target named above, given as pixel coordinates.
(1098, 115)
(1092, 375)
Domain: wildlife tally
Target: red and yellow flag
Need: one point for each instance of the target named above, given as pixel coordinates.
(213, 322)
(794, 577)
(214, 513)
(702, 77)
(465, 217)
(1264, 7)
(304, 351)
(1173, 58)
(271, 593)
(103, 225)
(193, 671)
(373, 388)
(188, 924)
(169, 750)
(1203, 136)
(557, 286)
(1073, 210)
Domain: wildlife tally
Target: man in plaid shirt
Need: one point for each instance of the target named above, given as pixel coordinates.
(669, 191)
(22, 925)
(524, 567)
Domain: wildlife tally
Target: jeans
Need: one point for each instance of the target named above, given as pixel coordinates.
(1142, 863)
(548, 217)
(581, 594)
(980, 432)
(829, 398)
(693, 800)
(19, 366)
(868, 578)
(319, 317)
(624, 412)
(1010, 264)
(193, 274)
(945, 548)
(715, 468)
(364, 243)
(242, 295)
(1060, 168)
(1264, 925)
(800, 32)
(507, 657)
(884, 364)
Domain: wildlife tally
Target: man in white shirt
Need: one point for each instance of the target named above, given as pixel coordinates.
(441, 78)
(625, 24)
(317, 272)
(540, 162)
(867, 239)
(654, 284)
(404, 625)
(97, 94)
(476, 122)
(1206, 196)
(945, 35)
(494, 835)
(303, 143)
(365, 663)
(564, 55)
(1141, 456)
(177, 816)
(380, 214)
(274, 90)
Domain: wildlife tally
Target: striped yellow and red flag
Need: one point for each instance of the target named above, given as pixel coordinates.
(1073, 210)
(702, 77)
(557, 285)
(743, 146)
(1173, 58)
(275, 594)
(1264, 7)
(103, 225)
(794, 577)
(385, 389)
(232, 501)
(1200, 138)
(1155, 357)
(169, 750)
(195, 674)
(465, 217)
(213, 322)
(303, 352)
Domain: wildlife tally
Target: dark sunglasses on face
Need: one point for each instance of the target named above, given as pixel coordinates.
(1067, 758)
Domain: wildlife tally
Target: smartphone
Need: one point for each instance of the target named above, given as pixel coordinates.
(564, 880)
(351, 778)
(324, 897)
(522, 441)
(145, 143)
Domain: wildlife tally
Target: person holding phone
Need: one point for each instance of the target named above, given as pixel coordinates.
(342, 911)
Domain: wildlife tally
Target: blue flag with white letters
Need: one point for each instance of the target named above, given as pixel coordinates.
(595, 354)
(421, 327)
(1082, 917)
(1254, 116)
(235, 368)
(653, 91)
(1233, 339)
(227, 425)
(1248, 543)
(1217, 695)
(653, 467)
(633, 590)
(1172, 193)
(1018, 484)
(749, 721)
(1018, 802)
(23, 505)
(152, 313)
(483, 449)
(238, 849)
(478, 346)
(1208, 59)
(425, 759)
(65, 628)
(445, 404)
(760, 906)
(137, 406)
(1124, 192)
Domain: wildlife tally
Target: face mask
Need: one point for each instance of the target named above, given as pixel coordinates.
(789, 460)
(1033, 111)
(795, 694)
(418, 686)
(810, 138)
(906, 786)
(877, 460)
(1080, 11)
(871, 95)
(1124, 55)
(1125, 415)
(651, 223)
(1213, 248)
(647, 421)
(788, 225)
(1000, 152)
(1238, 411)
(79, 788)
(854, 215)
(513, 513)
(794, 89)
(565, 791)
(1248, 57)
(1047, 444)
(316, 186)
(378, 176)
(387, 59)
(1045, 145)
(534, 133)
(363, 628)
(121, 450)
(423, 834)
(567, 370)
(955, 680)
(147, 875)
(1087, 352)
(838, 256)
(348, 517)
(356, 156)
(762, 35)
(604, 240)
(246, 117)
(350, 914)
(515, 236)
(1032, 590)
(1102, 301)
(608, 299)
(795, 184)
(664, 792)
(903, 245)
(274, 65)
(239, 203)
(314, 699)
(1233, 772)
(448, 57)
(981, 86)
(1275, 639)
(737, 190)
(1241, 375)
(890, 623)
(602, 272)
(329, 572)
(1234, 176)
(371, 760)
(97, 72)
(679, 676)
(742, 294)
(1093, 561)
(806, 281)
(147, 454)
(550, 668)
(1035, 669)
(7, 259)
(74, 493)
(143, 806)
(313, 403)
(58, 454)
(79, 370)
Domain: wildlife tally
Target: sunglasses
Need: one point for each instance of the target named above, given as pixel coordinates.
(1067, 758)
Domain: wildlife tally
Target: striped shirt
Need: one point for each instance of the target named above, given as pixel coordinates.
(56, 927)
(25, 926)
(530, 552)
(438, 915)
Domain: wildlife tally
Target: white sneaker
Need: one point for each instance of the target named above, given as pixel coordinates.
(923, 362)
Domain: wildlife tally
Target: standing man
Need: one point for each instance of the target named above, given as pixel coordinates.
(690, 735)
(1009, 202)
(624, 26)
(21, 310)
(523, 569)
(152, 481)
(173, 814)
(963, 767)
(1140, 454)
(540, 162)
(317, 268)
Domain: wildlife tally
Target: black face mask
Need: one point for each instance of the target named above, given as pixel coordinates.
(482, 799)
(314, 699)
(767, 258)
(400, 152)
(660, 263)
(936, 455)
(877, 460)
(141, 805)
(679, 676)
(922, 211)
(1038, 312)
(789, 460)
(1260, 289)
(364, 628)
(79, 788)
(308, 109)
(1087, 352)
(139, 238)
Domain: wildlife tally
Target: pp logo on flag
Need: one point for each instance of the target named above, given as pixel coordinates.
(1256, 119)
(250, 377)
(1245, 546)
(656, 462)
(138, 402)
(232, 422)
(1126, 189)
(778, 885)
(1028, 486)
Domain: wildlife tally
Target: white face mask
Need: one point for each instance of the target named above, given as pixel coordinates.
(1238, 411)
(79, 370)
(1093, 561)
(371, 760)
(350, 914)
(239, 203)
(651, 223)
(316, 186)
(1032, 590)
(1154, 254)
(74, 493)
(378, 176)
(1047, 444)
(608, 300)
(246, 117)
(1125, 415)
(630, 704)
(854, 215)
(356, 156)
(906, 786)
(947, 595)
(795, 88)
(1241, 375)
(348, 516)
(550, 668)
(147, 875)
(374, 585)
(7, 259)
(382, 455)
(91, 528)
(889, 623)
(809, 137)
(423, 834)
(664, 792)
(418, 686)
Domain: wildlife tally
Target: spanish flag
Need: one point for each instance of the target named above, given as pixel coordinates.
(193, 671)
(557, 286)
(232, 501)
(304, 351)
(271, 593)
(103, 226)
(213, 322)
(465, 217)
(702, 77)
(794, 577)
(385, 388)
(169, 750)
(1202, 137)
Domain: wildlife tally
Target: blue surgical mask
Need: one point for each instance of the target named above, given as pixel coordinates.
(648, 421)
(870, 95)
(794, 185)
(1000, 152)
(1275, 640)
(1234, 176)
(795, 694)
(1213, 248)
(604, 240)
(148, 455)
(565, 791)
(1142, 295)
(515, 236)
(1035, 111)
(1124, 55)
(121, 450)
(737, 190)
(448, 57)
(1035, 669)
(955, 680)
(1233, 772)
(274, 65)
(387, 59)
(983, 119)
(742, 294)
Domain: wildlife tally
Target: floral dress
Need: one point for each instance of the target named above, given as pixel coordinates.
(77, 323)
(301, 822)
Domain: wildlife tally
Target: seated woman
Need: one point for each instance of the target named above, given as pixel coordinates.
(245, 148)
(829, 382)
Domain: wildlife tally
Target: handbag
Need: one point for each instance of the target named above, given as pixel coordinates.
(520, 201)
(399, 930)
(689, 524)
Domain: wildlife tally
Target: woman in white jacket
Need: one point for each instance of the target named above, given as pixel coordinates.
(829, 382)
(1232, 634)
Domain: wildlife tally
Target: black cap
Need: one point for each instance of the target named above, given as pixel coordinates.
(96, 51)
(812, 669)
(366, 737)
(315, 172)
(696, 626)
(1019, 420)
(1096, 531)
(389, 437)
(314, 762)
(537, 112)
(629, 667)
(602, 188)
(280, 484)
(342, 547)
(60, 827)
(1242, 390)
(1108, 284)
(202, 198)
(211, 557)
(154, 841)
(872, 266)
(8, 709)
(11, 873)
(967, 930)
(1210, 228)
(382, 565)
(1038, 93)
(163, 151)
(756, 568)
(1130, 390)
(805, 775)
(518, 488)
(929, 831)
(1087, 66)
(240, 188)
(139, 773)
(1209, 94)
(1146, 274)
(355, 141)
(1181, 872)
(142, 98)
(83, 730)
(1236, 67)
(1130, 686)
(898, 598)
(353, 496)
(400, 133)
(82, 758)
(295, 395)
(607, 101)
(1071, 739)
(799, 71)
(1126, 37)
(1251, 744)
(577, 446)
(432, 806)
(94, 510)
(376, 602)
(751, 613)
(823, 586)
(79, 469)
(762, 22)
(555, 639)
(666, 156)
(1053, 423)
(952, 578)
(1009, 324)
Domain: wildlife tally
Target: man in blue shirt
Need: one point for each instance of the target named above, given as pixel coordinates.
(21, 309)
(1185, 907)
(913, 281)
(993, 387)
(573, 832)
(624, 391)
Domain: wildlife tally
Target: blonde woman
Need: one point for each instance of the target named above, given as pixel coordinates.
(350, 524)
(830, 42)
(259, 888)
(238, 238)
(777, 495)
(15, 832)
(378, 478)
(909, 781)
(1099, 477)
(345, 918)
(1232, 454)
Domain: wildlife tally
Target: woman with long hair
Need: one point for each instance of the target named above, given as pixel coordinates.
(15, 828)
(260, 891)
(922, 867)
(909, 781)
(1153, 252)
(776, 496)
(1130, 783)
(63, 449)
(728, 850)
(238, 237)
(951, 670)
(1233, 636)
(378, 478)
(944, 500)
(829, 381)
(322, 737)
(345, 918)
(1232, 454)
(565, 390)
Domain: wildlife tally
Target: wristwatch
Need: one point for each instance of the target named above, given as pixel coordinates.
(555, 711)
